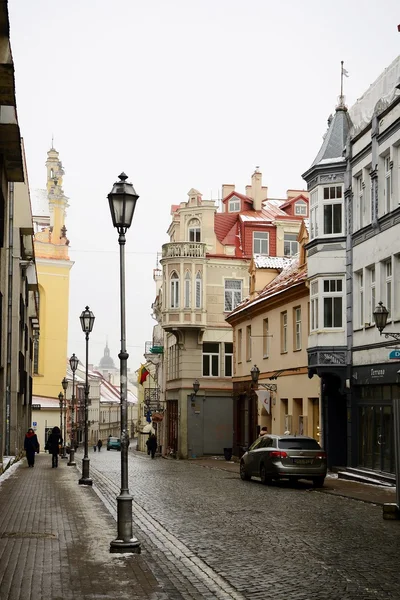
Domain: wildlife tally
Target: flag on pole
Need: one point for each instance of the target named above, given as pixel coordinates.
(345, 72)
(143, 373)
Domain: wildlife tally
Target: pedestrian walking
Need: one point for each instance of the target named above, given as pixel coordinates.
(99, 444)
(152, 445)
(95, 447)
(264, 431)
(31, 445)
(53, 446)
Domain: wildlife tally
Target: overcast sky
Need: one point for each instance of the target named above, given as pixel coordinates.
(178, 94)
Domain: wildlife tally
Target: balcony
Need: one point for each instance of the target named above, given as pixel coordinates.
(154, 348)
(184, 250)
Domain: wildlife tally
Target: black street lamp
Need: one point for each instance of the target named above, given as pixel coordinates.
(196, 387)
(255, 373)
(73, 363)
(381, 314)
(61, 401)
(87, 322)
(122, 200)
(64, 384)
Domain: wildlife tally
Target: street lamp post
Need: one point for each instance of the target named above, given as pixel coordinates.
(73, 363)
(64, 384)
(391, 511)
(122, 201)
(87, 322)
(61, 401)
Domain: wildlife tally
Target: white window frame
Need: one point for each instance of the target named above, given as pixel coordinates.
(333, 201)
(333, 294)
(194, 230)
(360, 201)
(284, 332)
(314, 214)
(372, 284)
(248, 343)
(360, 284)
(188, 290)
(198, 290)
(174, 290)
(232, 292)
(388, 266)
(211, 355)
(300, 208)
(234, 205)
(293, 244)
(314, 305)
(388, 184)
(297, 327)
(266, 346)
(261, 240)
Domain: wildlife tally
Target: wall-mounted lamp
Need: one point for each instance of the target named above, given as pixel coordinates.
(255, 373)
(196, 387)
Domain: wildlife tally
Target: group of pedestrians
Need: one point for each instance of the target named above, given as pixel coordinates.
(98, 446)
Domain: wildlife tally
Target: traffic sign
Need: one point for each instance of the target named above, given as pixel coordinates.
(34, 424)
(394, 354)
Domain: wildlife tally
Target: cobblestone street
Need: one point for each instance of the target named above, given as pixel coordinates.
(254, 541)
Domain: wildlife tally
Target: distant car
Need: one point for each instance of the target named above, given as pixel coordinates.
(113, 443)
(284, 457)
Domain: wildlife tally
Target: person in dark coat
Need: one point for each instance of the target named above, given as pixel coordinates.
(152, 444)
(53, 446)
(31, 445)
(99, 444)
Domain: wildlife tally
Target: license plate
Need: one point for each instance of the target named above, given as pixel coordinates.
(303, 461)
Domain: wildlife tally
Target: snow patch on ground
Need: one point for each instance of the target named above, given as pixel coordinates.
(11, 469)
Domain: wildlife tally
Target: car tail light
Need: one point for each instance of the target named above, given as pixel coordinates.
(277, 454)
(321, 455)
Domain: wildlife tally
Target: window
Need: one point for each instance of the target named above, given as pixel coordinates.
(210, 359)
(36, 354)
(174, 290)
(187, 289)
(194, 230)
(300, 208)
(333, 303)
(372, 293)
(261, 242)
(297, 327)
(360, 278)
(228, 359)
(290, 245)
(233, 294)
(234, 205)
(360, 201)
(198, 290)
(314, 306)
(314, 214)
(284, 324)
(388, 286)
(239, 345)
(265, 338)
(248, 342)
(333, 207)
(388, 184)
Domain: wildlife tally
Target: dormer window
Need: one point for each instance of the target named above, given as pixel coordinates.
(194, 230)
(234, 205)
(300, 208)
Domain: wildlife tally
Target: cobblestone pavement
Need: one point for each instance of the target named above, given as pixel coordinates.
(250, 541)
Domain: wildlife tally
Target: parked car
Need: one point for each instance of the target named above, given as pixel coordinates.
(284, 457)
(113, 443)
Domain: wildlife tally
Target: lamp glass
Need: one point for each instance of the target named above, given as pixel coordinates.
(64, 384)
(255, 372)
(381, 314)
(61, 397)
(122, 200)
(87, 320)
(196, 386)
(73, 362)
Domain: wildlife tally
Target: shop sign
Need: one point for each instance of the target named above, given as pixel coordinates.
(394, 355)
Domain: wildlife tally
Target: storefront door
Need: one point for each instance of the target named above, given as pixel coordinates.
(376, 438)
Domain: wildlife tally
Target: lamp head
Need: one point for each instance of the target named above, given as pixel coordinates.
(196, 386)
(381, 314)
(61, 398)
(64, 384)
(122, 200)
(255, 372)
(87, 320)
(73, 362)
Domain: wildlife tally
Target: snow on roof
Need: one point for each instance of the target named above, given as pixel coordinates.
(270, 262)
(46, 402)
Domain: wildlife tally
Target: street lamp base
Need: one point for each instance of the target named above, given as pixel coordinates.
(132, 546)
(71, 464)
(85, 481)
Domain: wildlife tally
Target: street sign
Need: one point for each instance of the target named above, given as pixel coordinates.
(34, 424)
(394, 354)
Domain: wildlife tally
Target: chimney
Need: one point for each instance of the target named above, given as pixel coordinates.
(227, 189)
(257, 189)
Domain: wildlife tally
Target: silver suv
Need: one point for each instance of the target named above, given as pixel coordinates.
(284, 457)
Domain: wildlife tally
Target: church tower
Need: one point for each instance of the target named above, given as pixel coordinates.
(53, 268)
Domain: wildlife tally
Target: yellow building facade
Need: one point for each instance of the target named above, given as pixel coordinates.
(53, 270)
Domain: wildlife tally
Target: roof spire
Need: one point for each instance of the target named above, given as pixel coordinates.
(343, 73)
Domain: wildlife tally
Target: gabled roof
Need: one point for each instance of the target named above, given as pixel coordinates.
(291, 276)
(293, 200)
(270, 262)
(335, 138)
(231, 238)
(223, 223)
(247, 199)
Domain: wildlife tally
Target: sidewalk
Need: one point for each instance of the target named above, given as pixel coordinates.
(54, 541)
(373, 494)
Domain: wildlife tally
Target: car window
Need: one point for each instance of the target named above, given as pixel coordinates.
(268, 442)
(298, 444)
(257, 443)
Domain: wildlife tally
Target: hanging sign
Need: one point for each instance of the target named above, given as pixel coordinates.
(264, 398)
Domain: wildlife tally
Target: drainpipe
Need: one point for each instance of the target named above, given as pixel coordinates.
(9, 314)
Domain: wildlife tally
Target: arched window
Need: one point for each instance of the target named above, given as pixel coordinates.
(188, 289)
(194, 230)
(198, 290)
(174, 290)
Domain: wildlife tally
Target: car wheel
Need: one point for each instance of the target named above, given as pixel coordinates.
(264, 477)
(243, 473)
(318, 482)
